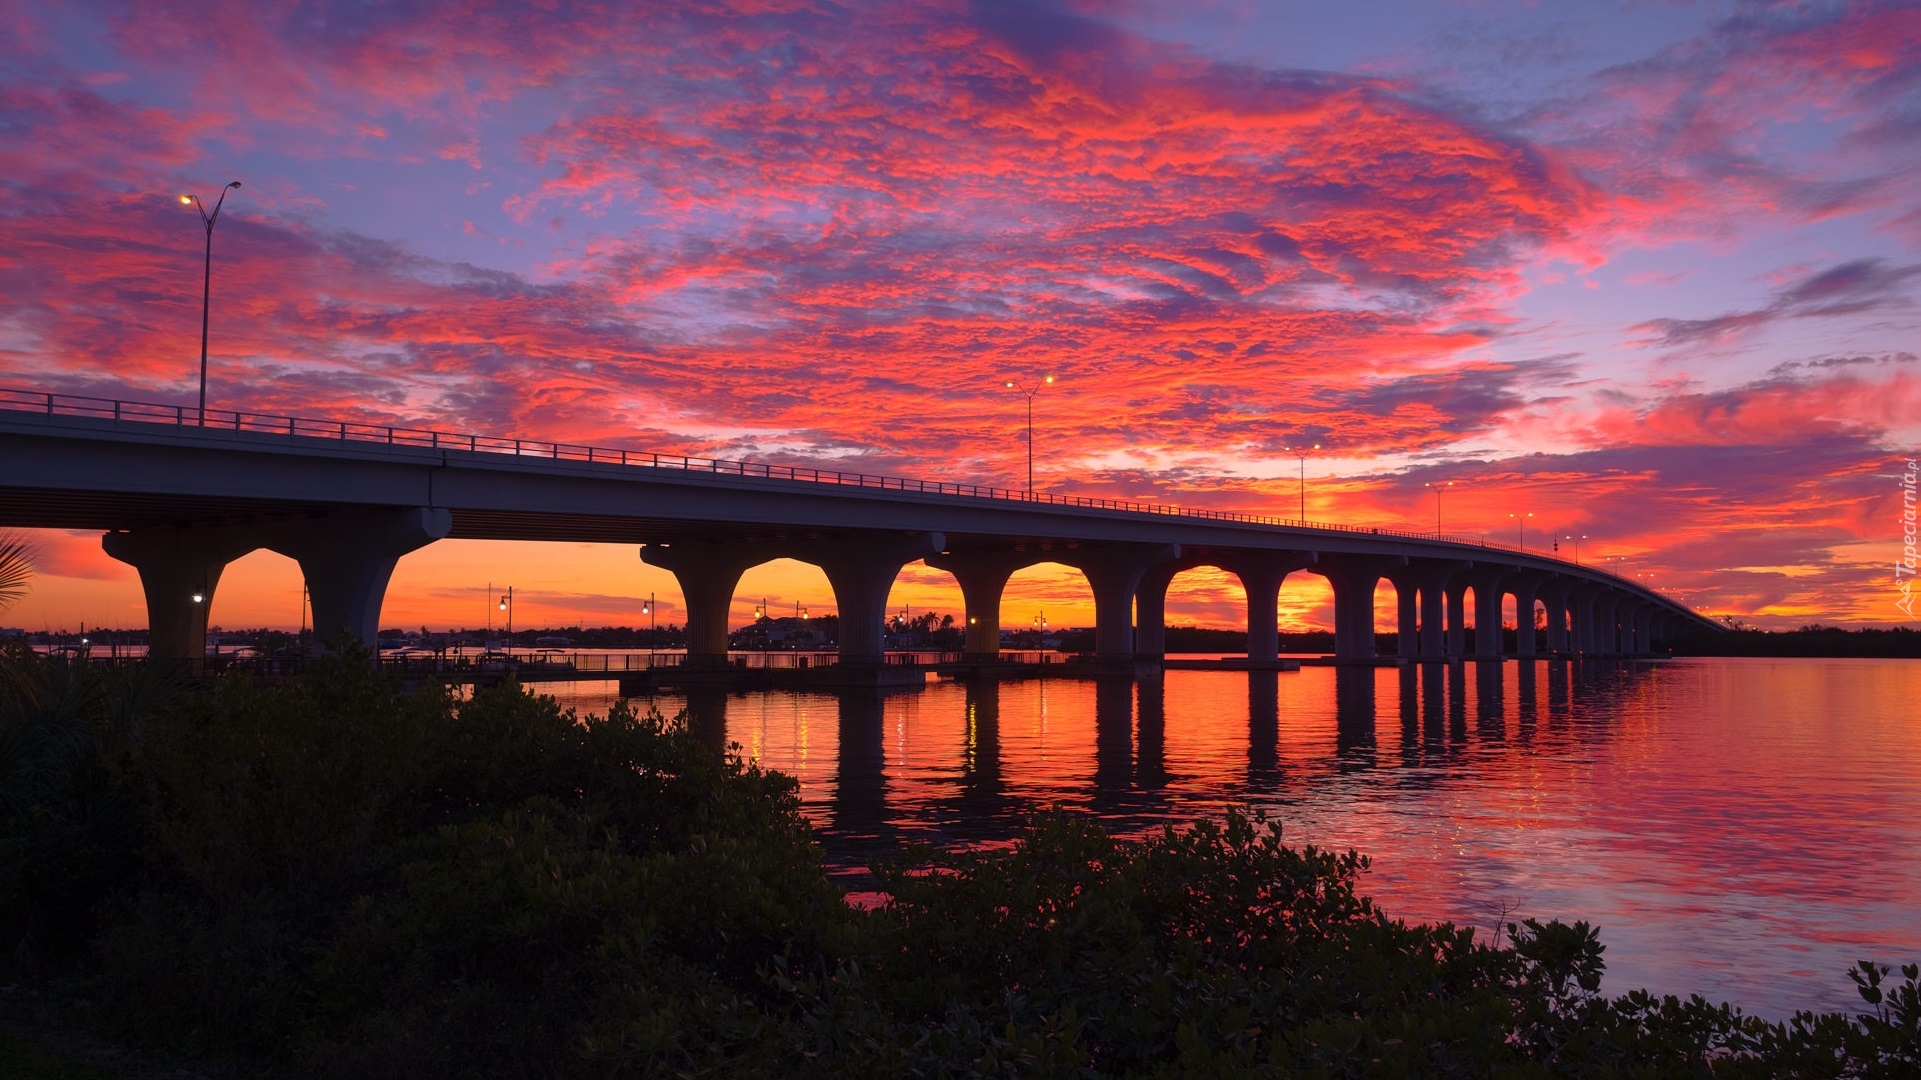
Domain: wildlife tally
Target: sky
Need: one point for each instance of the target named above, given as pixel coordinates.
(1647, 271)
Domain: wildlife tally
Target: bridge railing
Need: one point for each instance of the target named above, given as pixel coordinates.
(225, 420)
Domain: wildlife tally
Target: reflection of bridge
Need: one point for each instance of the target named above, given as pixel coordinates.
(180, 495)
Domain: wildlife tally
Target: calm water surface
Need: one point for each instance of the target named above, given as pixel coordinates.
(1742, 829)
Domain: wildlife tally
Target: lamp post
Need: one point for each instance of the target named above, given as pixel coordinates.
(507, 605)
(206, 282)
(1302, 454)
(1521, 519)
(1437, 486)
(647, 609)
(1577, 538)
(1030, 392)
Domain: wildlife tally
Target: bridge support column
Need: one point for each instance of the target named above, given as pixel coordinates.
(1261, 579)
(1582, 619)
(862, 572)
(1608, 618)
(1486, 581)
(1434, 577)
(1433, 602)
(1526, 589)
(348, 559)
(983, 578)
(1456, 618)
(707, 573)
(1354, 582)
(1114, 574)
(1407, 590)
(1150, 608)
(179, 570)
(1554, 596)
(1643, 623)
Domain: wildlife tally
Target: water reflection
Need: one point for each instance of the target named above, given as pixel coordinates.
(1742, 829)
(859, 807)
(1263, 728)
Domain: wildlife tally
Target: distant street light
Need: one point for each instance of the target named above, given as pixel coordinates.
(1437, 486)
(1302, 454)
(1521, 519)
(647, 609)
(1030, 392)
(507, 605)
(206, 283)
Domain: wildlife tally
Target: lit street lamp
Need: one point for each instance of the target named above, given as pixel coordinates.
(1030, 392)
(1577, 538)
(206, 283)
(1302, 454)
(1521, 519)
(507, 605)
(647, 609)
(1437, 486)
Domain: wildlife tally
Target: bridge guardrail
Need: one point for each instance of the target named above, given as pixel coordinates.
(187, 416)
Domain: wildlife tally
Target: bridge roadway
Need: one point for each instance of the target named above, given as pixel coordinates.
(179, 495)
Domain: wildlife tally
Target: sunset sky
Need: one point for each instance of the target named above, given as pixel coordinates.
(1647, 271)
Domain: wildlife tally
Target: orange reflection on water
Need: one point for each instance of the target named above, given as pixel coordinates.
(1745, 829)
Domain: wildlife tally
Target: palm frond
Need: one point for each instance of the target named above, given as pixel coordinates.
(16, 568)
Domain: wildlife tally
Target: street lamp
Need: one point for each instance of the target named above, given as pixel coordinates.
(1437, 486)
(1030, 392)
(1302, 454)
(647, 609)
(507, 605)
(206, 283)
(1521, 519)
(1577, 538)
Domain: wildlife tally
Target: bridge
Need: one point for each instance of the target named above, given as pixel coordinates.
(179, 493)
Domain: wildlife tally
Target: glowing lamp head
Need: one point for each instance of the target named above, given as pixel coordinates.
(186, 200)
(1010, 384)
(1049, 380)
(199, 598)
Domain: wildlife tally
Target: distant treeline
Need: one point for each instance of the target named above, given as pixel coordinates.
(1811, 640)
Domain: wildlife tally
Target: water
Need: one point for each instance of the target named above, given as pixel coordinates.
(1742, 829)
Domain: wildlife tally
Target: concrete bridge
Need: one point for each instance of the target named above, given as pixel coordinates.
(179, 494)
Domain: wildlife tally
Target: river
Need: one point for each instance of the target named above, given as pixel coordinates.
(1742, 829)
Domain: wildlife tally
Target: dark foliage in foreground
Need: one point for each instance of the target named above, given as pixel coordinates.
(332, 878)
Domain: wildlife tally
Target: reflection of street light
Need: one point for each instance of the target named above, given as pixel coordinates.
(1030, 392)
(1522, 520)
(1302, 454)
(206, 284)
(1437, 501)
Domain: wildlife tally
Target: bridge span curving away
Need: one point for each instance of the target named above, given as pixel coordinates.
(179, 494)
